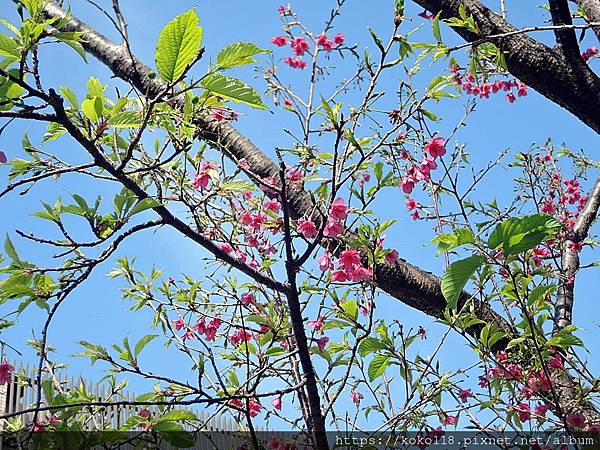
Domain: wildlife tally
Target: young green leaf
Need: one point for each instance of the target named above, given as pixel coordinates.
(232, 89)
(519, 234)
(456, 277)
(238, 54)
(178, 45)
(378, 366)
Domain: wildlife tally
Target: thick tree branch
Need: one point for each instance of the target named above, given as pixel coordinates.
(566, 40)
(548, 71)
(563, 313)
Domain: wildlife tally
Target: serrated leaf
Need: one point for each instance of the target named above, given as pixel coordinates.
(456, 277)
(370, 345)
(238, 54)
(232, 89)
(178, 45)
(8, 47)
(237, 185)
(377, 366)
(125, 119)
(517, 235)
(177, 414)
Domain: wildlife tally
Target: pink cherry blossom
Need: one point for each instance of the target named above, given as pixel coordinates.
(321, 343)
(254, 408)
(277, 403)
(411, 204)
(295, 63)
(307, 228)
(300, 46)
(333, 229)
(325, 43)
(279, 41)
(465, 395)
(541, 409)
(436, 147)
(392, 257)
(273, 205)
(338, 210)
(556, 362)
(339, 39)
(523, 411)
(339, 276)
(325, 262)
(248, 298)
(200, 181)
(179, 324)
(356, 396)
(318, 324)
(6, 371)
(450, 420)
(349, 259)
(240, 336)
(225, 247)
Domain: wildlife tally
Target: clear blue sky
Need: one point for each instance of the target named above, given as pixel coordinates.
(96, 312)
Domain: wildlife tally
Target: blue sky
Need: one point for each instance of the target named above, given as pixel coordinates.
(96, 312)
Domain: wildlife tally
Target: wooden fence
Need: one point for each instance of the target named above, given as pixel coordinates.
(15, 397)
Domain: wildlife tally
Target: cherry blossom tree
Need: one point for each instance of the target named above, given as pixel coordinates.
(284, 322)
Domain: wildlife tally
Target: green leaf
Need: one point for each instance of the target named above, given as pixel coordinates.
(143, 205)
(178, 45)
(370, 345)
(8, 47)
(238, 54)
(456, 277)
(517, 235)
(10, 250)
(435, 25)
(459, 237)
(70, 96)
(377, 366)
(565, 339)
(177, 414)
(95, 88)
(232, 89)
(142, 343)
(125, 119)
(92, 108)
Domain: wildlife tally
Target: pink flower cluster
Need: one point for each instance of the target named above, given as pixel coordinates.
(6, 371)
(241, 335)
(469, 85)
(300, 47)
(328, 45)
(254, 406)
(436, 147)
(350, 268)
(223, 114)
(589, 53)
(209, 330)
(338, 212)
(200, 181)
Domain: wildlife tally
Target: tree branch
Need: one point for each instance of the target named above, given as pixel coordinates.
(548, 71)
(563, 312)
